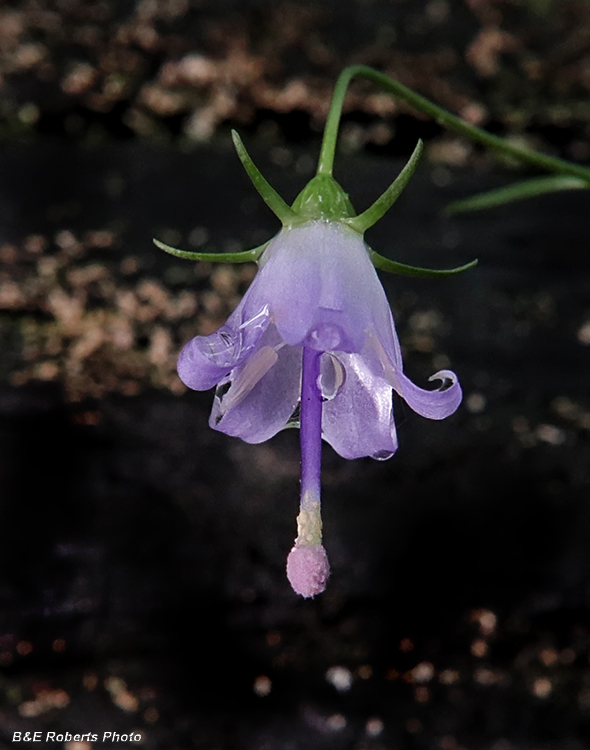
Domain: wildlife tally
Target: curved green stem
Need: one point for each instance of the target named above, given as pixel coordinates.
(326, 160)
(441, 116)
(247, 256)
(516, 192)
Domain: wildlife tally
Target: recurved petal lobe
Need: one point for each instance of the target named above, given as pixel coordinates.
(205, 360)
(434, 404)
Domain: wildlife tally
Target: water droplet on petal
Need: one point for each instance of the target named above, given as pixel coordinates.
(382, 455)
(325, 337)
(332, 376)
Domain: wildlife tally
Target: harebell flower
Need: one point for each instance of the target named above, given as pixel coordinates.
(313, 340)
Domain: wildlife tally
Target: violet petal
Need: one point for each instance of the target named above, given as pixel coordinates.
(435, 404)
(358, 420)
(263, 392)
(322, 289)
(205, 360)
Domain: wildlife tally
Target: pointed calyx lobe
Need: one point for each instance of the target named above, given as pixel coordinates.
(323, 198)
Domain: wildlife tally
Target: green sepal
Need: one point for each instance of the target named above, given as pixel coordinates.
(371, 216)
(516, 192)
(401, 269)
(246, 256)
(323, 198)
(268, 194)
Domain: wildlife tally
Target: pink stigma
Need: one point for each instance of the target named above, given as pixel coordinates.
(308, 570)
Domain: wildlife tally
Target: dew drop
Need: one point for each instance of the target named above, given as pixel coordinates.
(325, 337)
(382, 455)
(332, 376)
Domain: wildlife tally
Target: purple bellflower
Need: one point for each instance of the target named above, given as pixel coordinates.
(313, 339)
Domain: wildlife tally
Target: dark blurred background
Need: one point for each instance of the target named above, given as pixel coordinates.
(142, 583)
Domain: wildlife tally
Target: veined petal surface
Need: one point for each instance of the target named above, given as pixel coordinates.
(263, 392)
(316, 288)
(358, 420)
(322, 289)
(205, 360)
